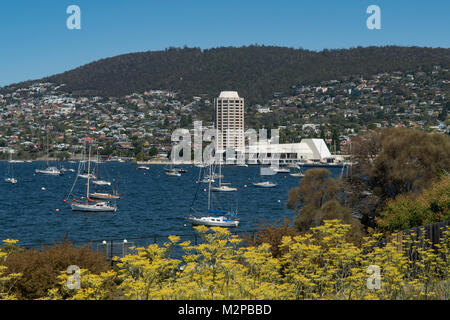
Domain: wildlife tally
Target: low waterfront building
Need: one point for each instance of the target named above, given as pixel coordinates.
(308, 151)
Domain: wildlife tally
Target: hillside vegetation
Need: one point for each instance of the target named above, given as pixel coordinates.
(255, 71)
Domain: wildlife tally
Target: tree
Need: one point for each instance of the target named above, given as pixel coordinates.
(153, 151)
(390, 162)
(318, 198)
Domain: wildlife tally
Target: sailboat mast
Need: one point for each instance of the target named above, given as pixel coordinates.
(88, 174)
(47, 145)
(220, 170)
(209, 187)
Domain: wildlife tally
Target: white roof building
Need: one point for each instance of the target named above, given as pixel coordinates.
(309, 150)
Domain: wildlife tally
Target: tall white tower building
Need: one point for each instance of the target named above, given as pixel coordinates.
(230, 122)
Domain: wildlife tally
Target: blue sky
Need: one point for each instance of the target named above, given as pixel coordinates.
(35, 41)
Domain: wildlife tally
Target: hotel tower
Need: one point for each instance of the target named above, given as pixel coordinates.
(230, 122)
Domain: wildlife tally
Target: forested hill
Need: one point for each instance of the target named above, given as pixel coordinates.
(255, 71)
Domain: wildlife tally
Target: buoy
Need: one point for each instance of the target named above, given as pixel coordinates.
(204, 190)
(279, 201)
(245, 186)
(57, 210)
(42, 188)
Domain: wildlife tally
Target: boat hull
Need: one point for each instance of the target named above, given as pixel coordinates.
(203, 222)
(48, 172)
(92, 208)
(11, 180)
(103, 196)
(262, 185)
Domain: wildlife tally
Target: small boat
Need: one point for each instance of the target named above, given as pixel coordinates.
(173, 173)
(67, 170)
(223, 188)
(243, 165)
(10, 176)
(101, 183)
(11, 180)
(87, 176)
(214, 221)
(143, 168)
(101, 206)
(264, 184)
(280, 170)
(50, 171)
(207, 180)
(297, 174)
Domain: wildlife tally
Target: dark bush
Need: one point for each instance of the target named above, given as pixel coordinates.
(40, 268)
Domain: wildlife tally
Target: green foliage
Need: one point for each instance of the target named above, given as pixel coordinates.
(256, 71)
(408, 210)
(317, 198)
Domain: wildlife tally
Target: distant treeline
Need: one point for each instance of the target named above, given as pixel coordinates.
(255, 71)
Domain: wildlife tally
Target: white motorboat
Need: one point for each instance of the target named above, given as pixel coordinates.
(173, 173)
(264, 184)
(143, 168)
(223, 188)
(101, 183)
(50, 171)
(93, 207)
(280, 169)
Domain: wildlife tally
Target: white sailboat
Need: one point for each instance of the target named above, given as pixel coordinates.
(264, 183)
(49, 171)
(214, 217)
(10, 176)
(90, 205)
(223, 186)
(171, 171)
(298, 173)
(96, 180)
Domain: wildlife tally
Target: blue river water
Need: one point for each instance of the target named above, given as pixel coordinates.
(34, 212)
